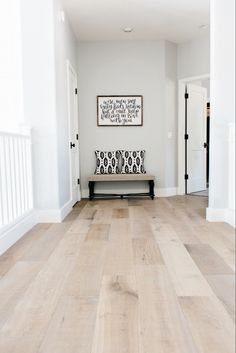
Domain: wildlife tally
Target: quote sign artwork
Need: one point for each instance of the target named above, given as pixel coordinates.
(120, 110)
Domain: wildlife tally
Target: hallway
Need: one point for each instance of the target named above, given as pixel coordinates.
(134, 276)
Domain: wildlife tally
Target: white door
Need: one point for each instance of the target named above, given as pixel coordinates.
(196, 129)
(73, 144)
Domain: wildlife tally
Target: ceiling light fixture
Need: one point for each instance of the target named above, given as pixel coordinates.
(203, 26)
(127, 29)
(62, 16)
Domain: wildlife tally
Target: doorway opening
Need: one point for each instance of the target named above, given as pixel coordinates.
(194, 136)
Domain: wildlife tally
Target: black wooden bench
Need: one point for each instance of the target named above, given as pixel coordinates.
(118, 178)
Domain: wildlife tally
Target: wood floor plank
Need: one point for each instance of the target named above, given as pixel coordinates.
(43, 292)
(120, 228)
(22, 247)
(80, 226)
(164, 232)
(117, 318)
(224, 288)
(87, 213)
(146, 252)
(72, 326)
(185, 275)
(141, 229)
(14, 284)
(187, 237)
(120, 213)
(207, 260)
(137, 213)
(162, 324)
(119, 258)
(224, 246)
(84, 279)
(42, 249)
(19, 345)
(211, 327)
(98, 232)
(103, 216)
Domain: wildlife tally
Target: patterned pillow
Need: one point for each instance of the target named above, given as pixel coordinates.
(107, 162)
(132, 162)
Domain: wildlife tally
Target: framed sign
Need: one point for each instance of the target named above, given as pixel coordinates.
(120, 110)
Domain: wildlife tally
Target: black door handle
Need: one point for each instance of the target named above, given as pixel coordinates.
(72, 145)
(205, 145)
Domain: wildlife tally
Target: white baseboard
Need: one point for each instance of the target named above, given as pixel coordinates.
(54, 216)
(66, 209)
(180, 191)
(221, 215)
(159, 192)
(16, 231)
(11, 234)
(230, 217)
(166, 192)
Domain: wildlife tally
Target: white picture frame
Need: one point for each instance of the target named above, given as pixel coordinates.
(120, 110)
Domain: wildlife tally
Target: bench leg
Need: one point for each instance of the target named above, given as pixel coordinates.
(91, 190)
(151, 189)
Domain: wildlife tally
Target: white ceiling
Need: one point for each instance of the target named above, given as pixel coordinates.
(174, 20)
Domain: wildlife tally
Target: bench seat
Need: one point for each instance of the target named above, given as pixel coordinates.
(92, 179)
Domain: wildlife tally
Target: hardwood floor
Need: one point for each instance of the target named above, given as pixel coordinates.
(121, 276)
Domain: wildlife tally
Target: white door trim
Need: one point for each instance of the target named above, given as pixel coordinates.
(181, 125)
(69, 67)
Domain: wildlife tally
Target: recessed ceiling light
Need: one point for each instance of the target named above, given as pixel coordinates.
(127, 29)
(62, 16)
(202, 26)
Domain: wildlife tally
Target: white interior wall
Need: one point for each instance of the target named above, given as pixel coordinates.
(48, 43)
(222, 108)
(11, 87)
(145, 68)
(194, 57)
(39, 98)
(170, 118)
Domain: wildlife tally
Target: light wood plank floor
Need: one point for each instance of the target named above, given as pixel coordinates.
(121, 276)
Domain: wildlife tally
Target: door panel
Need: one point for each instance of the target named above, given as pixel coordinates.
(196, 127)
(73, 132)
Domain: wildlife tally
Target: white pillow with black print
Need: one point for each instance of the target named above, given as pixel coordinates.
(132, 162)
(107, 162)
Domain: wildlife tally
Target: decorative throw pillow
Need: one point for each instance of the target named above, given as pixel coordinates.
(132, 162)
(107, 162)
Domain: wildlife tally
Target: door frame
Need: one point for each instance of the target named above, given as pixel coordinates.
(181, 128)
(70, 67)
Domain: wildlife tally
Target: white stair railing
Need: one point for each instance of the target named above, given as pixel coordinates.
(16, 193)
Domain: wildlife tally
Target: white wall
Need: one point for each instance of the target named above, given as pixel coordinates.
(47, 44)
(39, 98)
(11, 90)
(65, 49)
(145, 68)
(194, 57)
(222, 104)
(170, 143)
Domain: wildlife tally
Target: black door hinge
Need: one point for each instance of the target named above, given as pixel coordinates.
(77, 136)
(186, 136)
(186, 177)
(76, 90)
(186, 96)
(78, 181)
